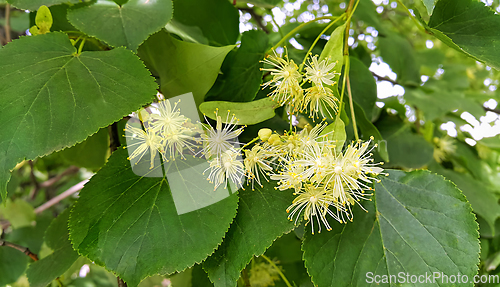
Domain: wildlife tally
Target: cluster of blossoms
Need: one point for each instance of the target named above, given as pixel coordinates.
(325, 180)
(171, 134)
(443, 148)
(287, 83)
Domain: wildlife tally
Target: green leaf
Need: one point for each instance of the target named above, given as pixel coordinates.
(241, 75)
(406, 149)
(33, 5)
(417, 223)
(44, 271)
(18, 212)
(481, 197)
(434, 104)
(338, 135)
(127, 25)
(121, 219)
(369, 130)
(429, 5)
(91, 153)
(183, 67)
(43, 19)
(363, 86)
(334, 48)
(397, 51)
(260, 220)
(193, 15)
(53, 98)
(468, 26)
(247, 113)
(12, 264)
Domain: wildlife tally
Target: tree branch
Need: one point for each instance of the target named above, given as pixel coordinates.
(57, 199)
(256, 17)
(496, 111)
(33, 179)
(70, 170)
(23, 249)
(7, 23)
(380, 78)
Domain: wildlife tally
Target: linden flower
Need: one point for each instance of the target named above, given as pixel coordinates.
(313, 202)
(310, 137)
(319, 72)
(144, 141)
(225, 167)
(316, 159)
(286, 78)
(175, 142)
(256, 164)
(263, 274)
(320, 100)
(349, 174)
(443, 147)
(169, 119)
(291, 176)
(218, 140)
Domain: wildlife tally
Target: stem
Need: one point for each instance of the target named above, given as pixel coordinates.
(23, 249)
(351, 104)
(346, 72)
(81, 46)
(350, 11)
(250, 142)
(7, 23)
(295, 31)
(61, 196)
(419, 25)
(277, 269)
(72, 169)
(317, 39)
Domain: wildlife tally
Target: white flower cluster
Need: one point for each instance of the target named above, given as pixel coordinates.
(287, 81)
(324, 179)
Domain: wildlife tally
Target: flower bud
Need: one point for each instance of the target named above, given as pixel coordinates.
(264, 134)
(274, 139)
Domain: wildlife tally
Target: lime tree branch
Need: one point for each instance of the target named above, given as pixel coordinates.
(256, 17)
(7, 23)
(75, 188)
(23, 249)
(380, 78)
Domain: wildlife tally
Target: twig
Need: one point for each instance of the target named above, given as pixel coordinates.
(57, 199)
(70, 170)
(496, 111)
(114, 138)
(34, 191)
(354, 126)
(7, 23)
(23, 249)
(380, 78)
(256, 17)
